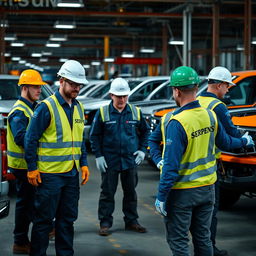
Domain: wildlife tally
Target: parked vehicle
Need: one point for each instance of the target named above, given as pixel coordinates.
(140, 87)
(4, 185)
(239, 166)
(9, 93)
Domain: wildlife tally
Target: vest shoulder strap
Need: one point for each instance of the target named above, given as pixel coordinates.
(104, 113)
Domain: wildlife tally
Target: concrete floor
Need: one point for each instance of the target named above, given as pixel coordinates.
(236, 230)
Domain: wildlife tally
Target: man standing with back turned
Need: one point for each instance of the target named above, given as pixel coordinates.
(30, 83)
(186, 189)
(119, 139)
(55, 153)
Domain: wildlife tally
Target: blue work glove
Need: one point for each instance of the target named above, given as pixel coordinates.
(140, 155)
(160, 164)
(101, 164)
(250, 142)
(160, 207)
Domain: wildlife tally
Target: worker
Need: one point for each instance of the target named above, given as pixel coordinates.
(30, 83)
(186, 188)
(55, 153)
(219, 81)
(119, 139)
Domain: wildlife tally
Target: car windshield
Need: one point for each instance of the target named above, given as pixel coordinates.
(9, 90)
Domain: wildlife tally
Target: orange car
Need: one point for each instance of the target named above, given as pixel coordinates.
(239, 166)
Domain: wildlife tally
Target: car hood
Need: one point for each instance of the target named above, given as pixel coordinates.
(151, 109)
(151, 102)
(6, 105)
(92, 105)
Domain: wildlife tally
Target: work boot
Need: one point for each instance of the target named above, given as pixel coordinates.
(104, 231)
(218, 252)
(136, 228)
(21, 249)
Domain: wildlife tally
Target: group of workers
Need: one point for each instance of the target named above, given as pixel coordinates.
(46, 152)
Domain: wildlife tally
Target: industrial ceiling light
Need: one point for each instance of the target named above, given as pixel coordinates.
(127, 55)
(253, 40)
(46, 53)
(56, 37)
(15, 58)
(22, 61)
(95, 63)
(49, 44)
(147, 50)
(239, 47)
(10, 37)
(7, 54)
(17, 44)
(43, 59)
(86, 65)
(173, 41)
(70, 3)
(36, 54)
(63, 60)
(109, 59)
(4, 24)
(64, 25)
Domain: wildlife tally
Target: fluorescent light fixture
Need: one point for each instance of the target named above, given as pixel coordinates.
(63, 60)
(7, 54)
(17, 44)
(22, 61)
(36, 54)
(15, 58)
(127, 55)
(239, 47)
(95, 63)
(86, 66)
(28, 64)
(46, 53)
(70, 3)
(109, 59)
(52, 44)
(175, 42)
(4, 24)
(253, 40)
(64, 25)
(61, 38)
(10, 37)
(147, 50)
(43, 59)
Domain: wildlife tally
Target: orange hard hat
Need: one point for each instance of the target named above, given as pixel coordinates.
(30, 77)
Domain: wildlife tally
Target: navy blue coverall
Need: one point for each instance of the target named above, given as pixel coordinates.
(117, 140)
(58, 194)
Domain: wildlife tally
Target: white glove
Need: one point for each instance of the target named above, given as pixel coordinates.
(250, 142)
(101, 164)
(160, 207)
(140, 156)
(160, 164)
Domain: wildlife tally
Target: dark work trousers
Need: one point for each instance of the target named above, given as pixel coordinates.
(190, 209)
(56, 197)
(24, 207)
(129, 181)
(215, 211)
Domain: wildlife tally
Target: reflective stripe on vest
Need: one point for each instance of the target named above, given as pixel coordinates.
(198, 164)
(60, 146)
(104, 112)
(210, 103)
(15, 153)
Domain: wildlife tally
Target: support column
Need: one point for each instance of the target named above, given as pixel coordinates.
(2, 44)
(106, 54)
(215, 34)
(247, 33)
(187, 22)
(165, 57)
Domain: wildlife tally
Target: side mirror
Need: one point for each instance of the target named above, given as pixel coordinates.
(227, 100)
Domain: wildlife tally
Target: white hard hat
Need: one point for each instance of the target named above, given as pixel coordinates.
(221, 74)
(119, 87)
(73, 71)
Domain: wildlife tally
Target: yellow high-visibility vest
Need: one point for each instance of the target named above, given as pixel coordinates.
(15, 153)
(210, 103)
(60, 146)
(198, 164)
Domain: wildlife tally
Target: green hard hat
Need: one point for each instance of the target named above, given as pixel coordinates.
(184, 77)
